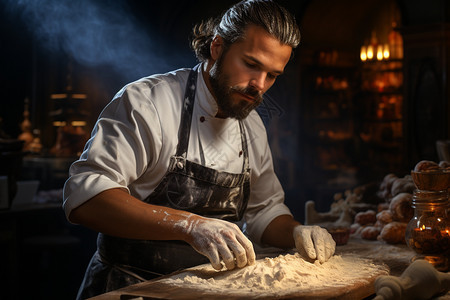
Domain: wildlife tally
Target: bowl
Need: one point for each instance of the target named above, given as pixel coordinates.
(431, 180)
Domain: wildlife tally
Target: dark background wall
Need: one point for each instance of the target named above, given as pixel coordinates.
(103, 45)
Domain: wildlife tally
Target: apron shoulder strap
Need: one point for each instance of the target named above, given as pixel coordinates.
(186, 116)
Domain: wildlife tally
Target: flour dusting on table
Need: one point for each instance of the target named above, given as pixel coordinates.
(280, 274)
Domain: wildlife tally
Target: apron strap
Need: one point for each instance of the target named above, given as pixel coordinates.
(186, 116)
(245, 166)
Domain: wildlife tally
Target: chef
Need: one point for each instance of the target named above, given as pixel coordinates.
(178, 170)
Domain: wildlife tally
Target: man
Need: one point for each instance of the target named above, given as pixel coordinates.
(174, 159)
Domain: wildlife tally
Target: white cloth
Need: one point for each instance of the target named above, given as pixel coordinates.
(137, 133)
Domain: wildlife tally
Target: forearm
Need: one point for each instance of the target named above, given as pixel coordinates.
(117, 213)
(279, 232)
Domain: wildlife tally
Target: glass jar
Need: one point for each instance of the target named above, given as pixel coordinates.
(428, 232)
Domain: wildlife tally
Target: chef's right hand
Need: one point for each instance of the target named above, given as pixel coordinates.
(218, 239)
(314, 242)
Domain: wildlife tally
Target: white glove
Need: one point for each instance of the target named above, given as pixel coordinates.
(218, 239)
(314, 242)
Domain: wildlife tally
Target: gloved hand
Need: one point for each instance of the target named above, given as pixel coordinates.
(218, 239)
(314, 242)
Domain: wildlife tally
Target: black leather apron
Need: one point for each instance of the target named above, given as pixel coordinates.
(187, 186)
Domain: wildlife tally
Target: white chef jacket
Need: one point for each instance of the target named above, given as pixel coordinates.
(137, 133)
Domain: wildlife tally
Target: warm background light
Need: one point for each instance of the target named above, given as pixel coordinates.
(363, 53)
(386, 53)
(380, 52)
(369, 52)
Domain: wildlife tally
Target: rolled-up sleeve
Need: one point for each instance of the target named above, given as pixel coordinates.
(124, 142)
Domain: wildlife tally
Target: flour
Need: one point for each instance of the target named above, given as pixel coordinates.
(183, 224)
(186, 225)
(278, 275)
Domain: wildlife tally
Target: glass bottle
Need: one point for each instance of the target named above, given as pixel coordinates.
(428, 232)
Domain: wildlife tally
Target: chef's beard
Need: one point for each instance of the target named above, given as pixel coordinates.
(220, 83)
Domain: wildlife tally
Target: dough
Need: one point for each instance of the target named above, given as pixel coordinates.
(386, 185)
(444, 165)
(426, 166)
(401, 208)
(394, 233)
(355, 228)
(402, 185)
(370, 233)
(367, 217)
(384, 217)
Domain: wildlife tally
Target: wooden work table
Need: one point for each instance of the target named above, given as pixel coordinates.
(396, 257)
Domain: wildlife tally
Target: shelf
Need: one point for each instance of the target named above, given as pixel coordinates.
(382, 77)
(346, 128)
(383, 120)
(328, 116)
(391, 65)
(317, 139)
(381, 128)
(381, 70)
(383, 93)
(396, 143)
(332, 119)
(327, 92)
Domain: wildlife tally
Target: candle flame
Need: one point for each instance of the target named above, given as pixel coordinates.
(363, 54)
(379, 52)
(386, 53)
(369, 52)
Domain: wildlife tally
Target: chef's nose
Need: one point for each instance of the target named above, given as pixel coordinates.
(258, 80)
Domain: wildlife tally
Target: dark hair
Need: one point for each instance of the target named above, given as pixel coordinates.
(231, 26)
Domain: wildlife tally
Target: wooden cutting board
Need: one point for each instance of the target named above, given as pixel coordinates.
(349, 284)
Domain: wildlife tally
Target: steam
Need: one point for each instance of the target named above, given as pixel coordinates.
(94, 33)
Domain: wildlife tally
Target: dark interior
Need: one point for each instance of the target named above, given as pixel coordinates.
(334, 122)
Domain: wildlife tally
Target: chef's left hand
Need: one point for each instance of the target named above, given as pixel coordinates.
(314, 242)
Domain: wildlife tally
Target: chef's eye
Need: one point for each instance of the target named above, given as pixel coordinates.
(271, 76)
(250, 65)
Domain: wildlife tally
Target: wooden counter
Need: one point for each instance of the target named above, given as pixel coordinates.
(396, 257)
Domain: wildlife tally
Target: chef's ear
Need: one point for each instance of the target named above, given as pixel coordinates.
(216, 47)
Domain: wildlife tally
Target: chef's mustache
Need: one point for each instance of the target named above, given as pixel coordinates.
(249, 91)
